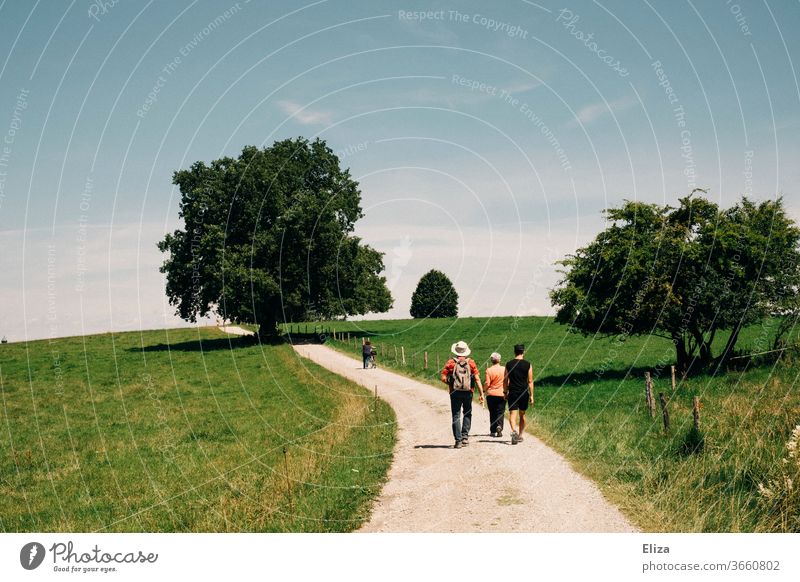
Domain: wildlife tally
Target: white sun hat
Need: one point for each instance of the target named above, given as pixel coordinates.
(460, 349)
(495, 357)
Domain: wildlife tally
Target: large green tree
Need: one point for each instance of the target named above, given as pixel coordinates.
(684, 273)
(435, 296)
(268, 238)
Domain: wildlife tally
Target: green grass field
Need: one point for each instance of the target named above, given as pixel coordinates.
(183, 431)
(590, 407)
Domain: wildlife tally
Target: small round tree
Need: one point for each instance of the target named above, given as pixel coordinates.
(435, 296)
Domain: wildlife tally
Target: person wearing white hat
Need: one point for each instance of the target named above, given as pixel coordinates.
(495, 397)
(461, 374)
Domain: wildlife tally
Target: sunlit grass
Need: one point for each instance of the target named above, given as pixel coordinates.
(184, 430)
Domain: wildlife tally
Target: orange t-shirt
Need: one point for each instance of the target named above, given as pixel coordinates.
(494, 380)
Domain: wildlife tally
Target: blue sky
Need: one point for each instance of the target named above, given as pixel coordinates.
(486, 137)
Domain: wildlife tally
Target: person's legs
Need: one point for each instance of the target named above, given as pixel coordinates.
(500, 412)
(366, 361)
(495, 405)
(467, 404)
(512, 419)
(522, 404)
(501, 415)
(455, 410)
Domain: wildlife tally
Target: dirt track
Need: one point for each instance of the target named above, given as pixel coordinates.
(489, 486)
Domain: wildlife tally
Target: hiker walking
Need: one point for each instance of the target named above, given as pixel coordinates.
(459, 373)
(367, 351)
(518, 389)
(495, 395)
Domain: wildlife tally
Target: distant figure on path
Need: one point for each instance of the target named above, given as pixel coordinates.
(495, 395)
(518, 389)
(459, 373)
(367, 352)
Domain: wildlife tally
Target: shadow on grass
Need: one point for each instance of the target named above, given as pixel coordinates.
(582, 378)
(637, 373)
(208, 345)
(231, 343)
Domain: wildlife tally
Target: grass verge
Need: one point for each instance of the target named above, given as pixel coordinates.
(184, 431)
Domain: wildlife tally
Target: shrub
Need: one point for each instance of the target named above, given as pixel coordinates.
(435, 296)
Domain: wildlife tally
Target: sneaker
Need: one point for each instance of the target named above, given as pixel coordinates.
(519, 438)
(458, 445)
(465, 441)
(499, 433)
(494, 433)
(514, 438)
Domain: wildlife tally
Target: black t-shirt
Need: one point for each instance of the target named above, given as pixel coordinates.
(366, 350)
(517, 371)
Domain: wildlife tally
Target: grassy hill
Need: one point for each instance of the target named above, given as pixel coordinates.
(183, 430)
(590, 407)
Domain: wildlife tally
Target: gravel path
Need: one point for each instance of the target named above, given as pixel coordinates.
(488, 486)
(235, 330)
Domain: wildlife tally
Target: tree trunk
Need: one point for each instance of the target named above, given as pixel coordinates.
(268, 327)
(681, 354)
(705, 347)
(729, 346)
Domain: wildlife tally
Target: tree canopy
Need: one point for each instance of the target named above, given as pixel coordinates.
(268, 238)
(435, 296)
(684, 273)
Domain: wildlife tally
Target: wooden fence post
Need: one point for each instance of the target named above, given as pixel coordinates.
(426, 360)
(413, 360)
(664, 410)
(673, 379)
(403, 354)
(438, 367)
(648, 395)
(696, 412)
(395, 354)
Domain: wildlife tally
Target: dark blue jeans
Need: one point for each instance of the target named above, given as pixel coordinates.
(366, 361)
(461, 399)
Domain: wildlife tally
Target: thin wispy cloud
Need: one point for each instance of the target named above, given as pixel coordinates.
(595, 111)
(305, 115)
(522, 87)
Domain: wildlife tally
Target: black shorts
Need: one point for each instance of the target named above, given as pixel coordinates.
(518, 400)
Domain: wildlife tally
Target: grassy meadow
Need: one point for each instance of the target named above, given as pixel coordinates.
(186, 430)
(590, 407)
